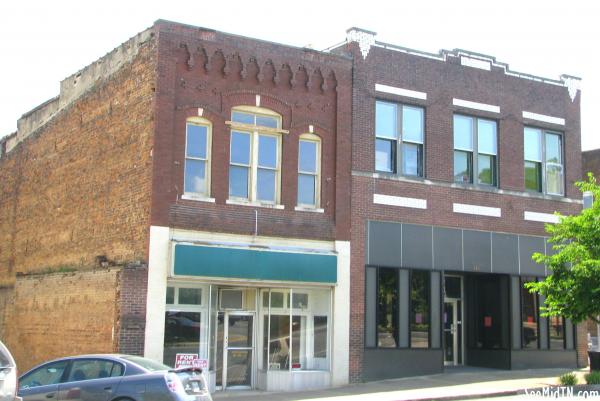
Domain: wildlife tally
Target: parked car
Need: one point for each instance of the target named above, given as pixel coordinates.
(8, 375)
(112, 377)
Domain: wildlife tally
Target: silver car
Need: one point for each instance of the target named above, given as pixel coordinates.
(8, 375)
(110, 378)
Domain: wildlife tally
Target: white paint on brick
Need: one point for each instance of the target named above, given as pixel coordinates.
(541, 217)
(158, 267)
(477, 210)
(414, 203)
(544, 118)
(476, 63)
(341, 317)
(476, 105)
(401, 91)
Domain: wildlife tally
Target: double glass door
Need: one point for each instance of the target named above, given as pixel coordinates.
(235, 350)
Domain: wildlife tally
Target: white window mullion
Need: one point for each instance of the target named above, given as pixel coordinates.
(254, 167)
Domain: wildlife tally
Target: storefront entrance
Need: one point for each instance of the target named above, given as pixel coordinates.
(453, 320)
(235, 350)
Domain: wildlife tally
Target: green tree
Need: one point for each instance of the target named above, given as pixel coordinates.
(573, 288)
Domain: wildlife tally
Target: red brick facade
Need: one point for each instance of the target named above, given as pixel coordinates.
(442, 81)
(200, 68)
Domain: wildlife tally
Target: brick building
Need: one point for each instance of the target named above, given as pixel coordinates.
(457, 163)
(196, 192)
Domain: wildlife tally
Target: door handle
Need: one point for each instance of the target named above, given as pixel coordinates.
(50, 395)
(109, 389)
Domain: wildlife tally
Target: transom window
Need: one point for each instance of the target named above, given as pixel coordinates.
(197, 161)
(309, 160)
(543, 161)
(475, 150)
(255, 158)
(399, 138)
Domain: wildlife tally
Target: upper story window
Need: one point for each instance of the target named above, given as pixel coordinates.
(399, 131)
(543, 161)
(255, 158)
(197, 157)
(309, 170)
(475, 150)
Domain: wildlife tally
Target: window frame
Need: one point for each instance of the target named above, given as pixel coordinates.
(202, 122)
(317, 174)
(255, 131)
(522, 281)
(544, 132)
(399, 141)
(397, 310)
(475, 153)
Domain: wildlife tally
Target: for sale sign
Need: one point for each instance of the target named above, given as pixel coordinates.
(185, 360)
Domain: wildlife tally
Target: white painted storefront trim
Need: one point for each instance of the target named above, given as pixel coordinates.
(476, 105)
(400, 91)
(158, 267)
(477, 210)
(400, 201)
(544, 118)
(541, 217)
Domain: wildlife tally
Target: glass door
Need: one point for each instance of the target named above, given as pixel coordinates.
(235, 350)
(452, 332)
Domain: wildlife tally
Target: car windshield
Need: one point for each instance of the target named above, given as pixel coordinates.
(147, 364)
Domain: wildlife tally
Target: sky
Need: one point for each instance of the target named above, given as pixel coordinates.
(42, 42)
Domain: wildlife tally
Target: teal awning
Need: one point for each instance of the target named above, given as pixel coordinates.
(251, 264)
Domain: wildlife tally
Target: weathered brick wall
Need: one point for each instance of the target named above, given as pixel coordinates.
(75, 189)
(61, 314)
(201, 68)
(79, 187)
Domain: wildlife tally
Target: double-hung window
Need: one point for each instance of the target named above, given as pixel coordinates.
(399, 132)
(309, 170)
(255, 155)
(197, 160)
(475, 150)
(543, 161)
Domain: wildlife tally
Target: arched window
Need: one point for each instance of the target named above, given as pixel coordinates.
(309, 171)
(197, 157)
(255, 155)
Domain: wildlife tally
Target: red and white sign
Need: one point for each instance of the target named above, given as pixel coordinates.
(201, 363)
(185, 360)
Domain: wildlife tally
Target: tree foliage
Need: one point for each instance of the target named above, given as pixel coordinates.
(572, 289)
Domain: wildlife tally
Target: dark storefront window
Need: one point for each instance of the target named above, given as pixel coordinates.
(529, 316)
(557, 332)
(387, 308)
(182, 335)
(419, 309)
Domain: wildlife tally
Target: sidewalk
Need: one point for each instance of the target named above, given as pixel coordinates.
(454, 384)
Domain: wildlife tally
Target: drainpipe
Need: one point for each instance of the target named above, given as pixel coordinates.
(588, 201)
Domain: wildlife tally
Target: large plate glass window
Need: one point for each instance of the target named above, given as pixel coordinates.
(309, 156)
(399, 138)
(197, 160)
(295, 327)
(475, 150)
(255, 155)
(529, 316)
(543, 161)
(184, 327)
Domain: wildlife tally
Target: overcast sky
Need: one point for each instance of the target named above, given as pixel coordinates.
(42, 42)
